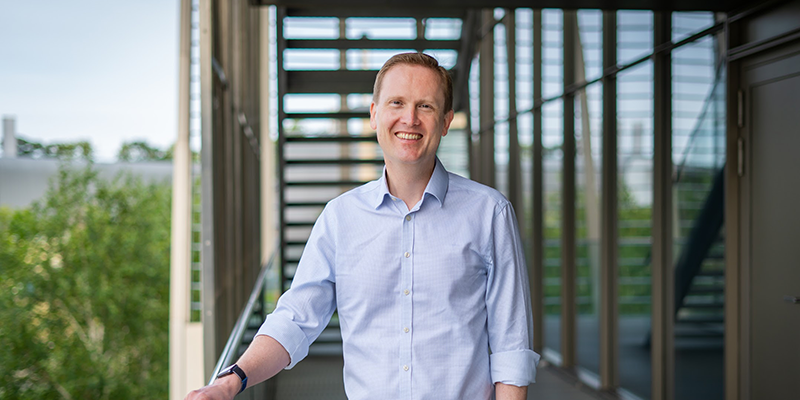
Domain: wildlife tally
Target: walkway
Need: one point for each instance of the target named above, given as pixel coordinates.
(320, 377)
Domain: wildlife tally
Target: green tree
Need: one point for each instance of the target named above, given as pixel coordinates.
(84, 291)
(138, 151)
(81, 150)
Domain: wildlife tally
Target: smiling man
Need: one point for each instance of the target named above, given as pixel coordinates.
(425, 268)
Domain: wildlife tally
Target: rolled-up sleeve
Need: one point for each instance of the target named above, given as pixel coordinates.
(509, 317)
(303, 312)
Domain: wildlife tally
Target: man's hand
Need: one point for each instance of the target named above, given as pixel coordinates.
(510, 392)
(224, 388)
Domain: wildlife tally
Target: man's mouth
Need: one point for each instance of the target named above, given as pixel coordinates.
(408, 136)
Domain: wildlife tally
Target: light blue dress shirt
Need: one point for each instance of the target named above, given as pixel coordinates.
(422, 294)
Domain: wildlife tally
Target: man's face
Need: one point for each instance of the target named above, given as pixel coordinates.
(409, 116)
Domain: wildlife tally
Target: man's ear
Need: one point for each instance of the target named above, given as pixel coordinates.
(373, 123)
(448, 119)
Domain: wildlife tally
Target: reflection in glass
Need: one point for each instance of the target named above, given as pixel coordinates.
(588, 141)
(698, 133)
(635, 195)
(552, 140)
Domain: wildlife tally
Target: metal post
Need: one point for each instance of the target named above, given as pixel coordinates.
(568, 269)
(180, 242)
(514, 164)
(207, 176)
(663, 352)
(537, 187)
(609, 307)
(486, 148)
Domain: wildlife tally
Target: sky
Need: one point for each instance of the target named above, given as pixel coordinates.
(98, 70)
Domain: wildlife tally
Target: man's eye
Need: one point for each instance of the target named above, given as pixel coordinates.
(395, 102)
(425, 106)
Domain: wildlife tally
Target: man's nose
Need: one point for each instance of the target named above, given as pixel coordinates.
(410, 116)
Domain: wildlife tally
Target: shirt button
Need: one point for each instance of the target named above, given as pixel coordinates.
(406, 292)
(408, 218)
(407, 254)
(405, 330)
(405, 367)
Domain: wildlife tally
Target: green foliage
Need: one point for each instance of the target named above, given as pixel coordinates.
(84, 291)
(81, 150)
(141, 151)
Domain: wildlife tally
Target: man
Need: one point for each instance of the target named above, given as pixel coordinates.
(425, 267)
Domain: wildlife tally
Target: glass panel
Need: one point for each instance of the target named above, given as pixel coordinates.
(590, 25)
(635, 196)
(588, 165)
(310, 59)
(524, 86)
(501, 109)
(685, 24)
(381, 28)
(634, 35)
(588, 162)
(442, 28)
(698, 136)
(310, 28)
(552, 140)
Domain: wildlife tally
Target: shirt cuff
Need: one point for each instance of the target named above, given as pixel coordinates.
(516, 367)
(288, 334)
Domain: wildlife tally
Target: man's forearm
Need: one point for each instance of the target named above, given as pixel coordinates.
(264, 358)
(510, 392)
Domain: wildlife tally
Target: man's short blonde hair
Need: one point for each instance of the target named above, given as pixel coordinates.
(422, 60)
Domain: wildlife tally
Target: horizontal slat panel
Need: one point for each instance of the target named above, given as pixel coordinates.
(345, 44)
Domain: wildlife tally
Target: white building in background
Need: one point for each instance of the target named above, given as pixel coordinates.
(24, 180)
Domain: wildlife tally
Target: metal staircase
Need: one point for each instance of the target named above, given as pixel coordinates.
(323, 152)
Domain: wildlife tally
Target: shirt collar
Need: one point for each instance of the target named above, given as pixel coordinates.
(437, 186)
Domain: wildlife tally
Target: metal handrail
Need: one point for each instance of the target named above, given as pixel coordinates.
(228, 353)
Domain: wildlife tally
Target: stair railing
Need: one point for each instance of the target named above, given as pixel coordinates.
(229, 352)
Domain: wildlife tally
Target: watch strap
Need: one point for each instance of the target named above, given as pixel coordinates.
(234, 369)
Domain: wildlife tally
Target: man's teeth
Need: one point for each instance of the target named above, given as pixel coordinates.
(409, 136)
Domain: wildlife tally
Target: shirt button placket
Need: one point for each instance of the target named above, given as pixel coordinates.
(407, 264)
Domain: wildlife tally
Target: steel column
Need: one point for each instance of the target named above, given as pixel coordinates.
(207, 177)
(663, 285)
(609, 307)
(514, 165)
(568, 252)
(537, 187)
(486, 163)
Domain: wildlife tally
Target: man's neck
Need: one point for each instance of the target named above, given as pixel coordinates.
(408, 182)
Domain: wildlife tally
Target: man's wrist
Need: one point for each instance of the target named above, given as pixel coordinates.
(230, 383)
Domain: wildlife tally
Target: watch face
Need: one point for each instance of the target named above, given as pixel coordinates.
(226, 371)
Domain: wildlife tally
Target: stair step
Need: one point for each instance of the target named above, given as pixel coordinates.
(700, 319)
(325, 183)
(347, 44)
(306, 204)
(332, 115)
(717, 272)
(336, 81)
(300, 223)
(336, 161)
(704, 305)
(695, 290)
(330, 139)
(699, 333)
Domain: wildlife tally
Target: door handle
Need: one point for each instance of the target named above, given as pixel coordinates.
(791, 299)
